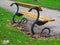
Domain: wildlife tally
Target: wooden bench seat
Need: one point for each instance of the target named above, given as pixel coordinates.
(34, 16)
(28, 5)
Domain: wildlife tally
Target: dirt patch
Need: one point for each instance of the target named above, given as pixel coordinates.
(24, 29)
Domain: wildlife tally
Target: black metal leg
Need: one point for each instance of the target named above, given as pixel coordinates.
(14, 18)
(38, 14)
(15, 12)
(23, 21)
(46, 28)
(32, 27)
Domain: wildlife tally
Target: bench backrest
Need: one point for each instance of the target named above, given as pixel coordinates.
(28, 5)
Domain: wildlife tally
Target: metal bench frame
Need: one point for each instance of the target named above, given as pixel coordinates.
(35, 22)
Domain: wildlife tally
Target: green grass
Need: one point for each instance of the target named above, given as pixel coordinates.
(8, 32)
(45, 3)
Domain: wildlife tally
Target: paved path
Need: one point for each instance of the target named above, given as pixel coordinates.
(55, 25)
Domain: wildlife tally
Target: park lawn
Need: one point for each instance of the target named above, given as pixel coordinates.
(8, 32)
(55, 4)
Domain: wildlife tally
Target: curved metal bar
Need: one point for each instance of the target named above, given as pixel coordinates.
(38, 14)
(15, 12)
(47, 29)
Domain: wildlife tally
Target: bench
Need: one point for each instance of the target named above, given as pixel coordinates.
(40, 20)
(33, 15)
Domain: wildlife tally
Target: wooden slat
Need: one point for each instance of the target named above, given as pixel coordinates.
(33, 15)
(46, 18)
(28, 5)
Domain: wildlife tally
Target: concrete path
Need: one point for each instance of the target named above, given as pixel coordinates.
(55, 25)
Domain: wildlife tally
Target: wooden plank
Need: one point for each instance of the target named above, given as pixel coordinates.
(34, 16)
(29, 5)
(46, 18)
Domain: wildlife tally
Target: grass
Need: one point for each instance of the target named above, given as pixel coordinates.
(55, 4)
(8, 32)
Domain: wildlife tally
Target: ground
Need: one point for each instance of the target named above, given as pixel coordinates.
(55, 14)
(6, 30)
